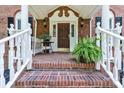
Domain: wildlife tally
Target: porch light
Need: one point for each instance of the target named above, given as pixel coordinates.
(44, 22)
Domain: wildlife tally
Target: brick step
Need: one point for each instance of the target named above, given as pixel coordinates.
(50, 79)
(66, 65)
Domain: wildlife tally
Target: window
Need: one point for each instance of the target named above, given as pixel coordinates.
(72, 30)
(54, 30)
(111, 20)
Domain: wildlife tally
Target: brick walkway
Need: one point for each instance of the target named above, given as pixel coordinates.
(53, 70)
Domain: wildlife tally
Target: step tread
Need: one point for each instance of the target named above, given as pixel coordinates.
(63, 79)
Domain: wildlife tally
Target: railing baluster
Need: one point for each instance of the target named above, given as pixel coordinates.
(29, 66)
(108, 53)
(123, 63)
(18, 53)
(2, 79)
(98, 43)
(117, 53)
(11, 52)
(23, 48)
(115, 69)
(11, 58)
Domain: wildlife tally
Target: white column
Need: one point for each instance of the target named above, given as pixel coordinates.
(105, 25)
(24, 25)
(24, 17)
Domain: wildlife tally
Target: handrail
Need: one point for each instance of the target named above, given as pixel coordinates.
(111, 33)
(13, 36)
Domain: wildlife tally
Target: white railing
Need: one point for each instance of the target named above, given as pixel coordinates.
(18, 52)
(115, 51)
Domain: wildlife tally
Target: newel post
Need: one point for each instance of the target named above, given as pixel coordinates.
(117, 52)
(29, 66)
(98, 43)
(2, 79)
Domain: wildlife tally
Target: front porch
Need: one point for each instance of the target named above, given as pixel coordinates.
(60, 70)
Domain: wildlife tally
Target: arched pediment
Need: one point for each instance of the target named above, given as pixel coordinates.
(63, 10)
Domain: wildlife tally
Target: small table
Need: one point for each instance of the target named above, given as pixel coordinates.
(47, 44)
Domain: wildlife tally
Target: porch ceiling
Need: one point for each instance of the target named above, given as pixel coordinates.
(85, 11)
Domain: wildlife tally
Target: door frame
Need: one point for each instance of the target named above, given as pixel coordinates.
(54, 20)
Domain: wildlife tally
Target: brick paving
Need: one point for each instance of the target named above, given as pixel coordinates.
(47, 75)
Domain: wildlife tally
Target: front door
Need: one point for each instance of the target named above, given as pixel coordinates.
(63, 35)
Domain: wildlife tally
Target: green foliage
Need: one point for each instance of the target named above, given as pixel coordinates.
(87, 51)
(45, 36)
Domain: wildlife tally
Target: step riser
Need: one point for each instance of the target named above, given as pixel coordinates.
(63, 66)
(63, 84)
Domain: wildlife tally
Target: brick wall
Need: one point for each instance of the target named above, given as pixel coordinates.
(84, 30)
(41, 28)
(5, 12)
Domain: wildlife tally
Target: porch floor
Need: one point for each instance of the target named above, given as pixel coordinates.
(61, 70)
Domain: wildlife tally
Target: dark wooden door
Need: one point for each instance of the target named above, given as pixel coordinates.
(63, 35)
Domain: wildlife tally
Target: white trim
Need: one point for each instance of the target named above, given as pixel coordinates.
(91, 26)
(55, 19)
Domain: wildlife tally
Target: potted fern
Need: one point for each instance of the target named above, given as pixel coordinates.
(87, 52)
(45, 37)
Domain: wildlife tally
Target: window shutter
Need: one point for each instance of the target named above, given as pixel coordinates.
(98, 19)
(118, 19)
(10, 21)
(30, 20)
